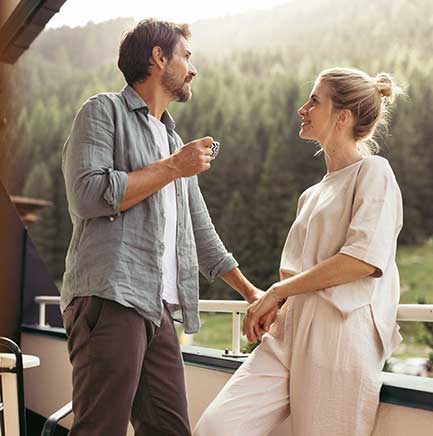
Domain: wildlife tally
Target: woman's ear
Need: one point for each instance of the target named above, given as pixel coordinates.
(344, 118)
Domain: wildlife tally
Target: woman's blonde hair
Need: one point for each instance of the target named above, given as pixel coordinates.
(368, 99)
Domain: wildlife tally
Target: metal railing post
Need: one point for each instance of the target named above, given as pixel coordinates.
(42, 322)
(236, 333)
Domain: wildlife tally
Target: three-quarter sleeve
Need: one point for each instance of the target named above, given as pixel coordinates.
(93, 186)
(376, 216)
(213, 258)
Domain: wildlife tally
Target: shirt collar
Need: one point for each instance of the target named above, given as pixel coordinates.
(168, 120)
(135, 102)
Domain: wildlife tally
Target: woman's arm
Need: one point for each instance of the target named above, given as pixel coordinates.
(336, 270)
(285, 274)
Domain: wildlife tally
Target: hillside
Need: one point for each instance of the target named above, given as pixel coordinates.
(312, 24)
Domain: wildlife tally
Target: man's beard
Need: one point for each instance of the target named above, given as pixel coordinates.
(175, 86)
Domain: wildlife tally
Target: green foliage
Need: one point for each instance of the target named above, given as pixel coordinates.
(414, 264)
(250, 347)
(215, 331)
(255, 71)
(425, 334)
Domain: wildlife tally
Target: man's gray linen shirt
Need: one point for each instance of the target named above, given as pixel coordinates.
(118, 255)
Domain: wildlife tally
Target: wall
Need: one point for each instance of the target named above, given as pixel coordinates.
(12, 239)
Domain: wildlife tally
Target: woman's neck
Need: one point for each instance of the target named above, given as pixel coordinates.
(340, 156)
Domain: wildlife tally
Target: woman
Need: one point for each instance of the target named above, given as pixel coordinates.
(322, 358)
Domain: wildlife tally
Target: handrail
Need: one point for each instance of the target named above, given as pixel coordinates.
(415, 312)
(406, 312)
(43, 300)
(52, 421)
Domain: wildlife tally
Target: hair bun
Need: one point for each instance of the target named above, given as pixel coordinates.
(386, 86)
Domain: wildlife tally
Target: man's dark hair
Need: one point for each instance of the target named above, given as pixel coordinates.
(136, 46)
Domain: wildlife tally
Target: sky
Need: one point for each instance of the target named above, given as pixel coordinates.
(78, 12)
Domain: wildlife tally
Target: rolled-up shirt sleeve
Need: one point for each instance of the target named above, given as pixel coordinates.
(213, 258)
(93, 186)
(376, 217)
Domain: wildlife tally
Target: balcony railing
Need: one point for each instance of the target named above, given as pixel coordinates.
(406, 312)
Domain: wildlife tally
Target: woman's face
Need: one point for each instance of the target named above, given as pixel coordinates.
(318, 116)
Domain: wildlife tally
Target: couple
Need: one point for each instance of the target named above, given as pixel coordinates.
(142, 232)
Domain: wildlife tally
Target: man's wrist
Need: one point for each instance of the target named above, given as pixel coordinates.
(249, 293)
(172, 169)
(237, 281)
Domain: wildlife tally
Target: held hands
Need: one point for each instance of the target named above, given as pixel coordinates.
(260, 315)
(193, 158)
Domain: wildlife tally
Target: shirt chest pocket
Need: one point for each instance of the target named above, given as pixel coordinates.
(141, 152)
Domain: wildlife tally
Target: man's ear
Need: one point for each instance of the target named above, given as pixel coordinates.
(158, 58)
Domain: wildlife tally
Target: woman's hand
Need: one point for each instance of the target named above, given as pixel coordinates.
(260, 316)
(267, 319)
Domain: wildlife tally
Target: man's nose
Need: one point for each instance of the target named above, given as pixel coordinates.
(192, 70)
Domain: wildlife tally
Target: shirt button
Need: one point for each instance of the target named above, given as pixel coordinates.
(111, 218)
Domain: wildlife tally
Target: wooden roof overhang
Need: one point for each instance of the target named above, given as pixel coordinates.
(25, 23)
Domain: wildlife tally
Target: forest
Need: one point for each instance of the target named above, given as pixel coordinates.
(255, 70)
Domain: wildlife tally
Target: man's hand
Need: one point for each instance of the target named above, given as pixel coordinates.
(252, 294)
(259, 317)
(193, 158)
(267, 319)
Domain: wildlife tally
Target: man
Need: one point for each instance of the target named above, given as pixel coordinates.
(141, 231)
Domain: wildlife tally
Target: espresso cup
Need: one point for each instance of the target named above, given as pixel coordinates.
(215, 148)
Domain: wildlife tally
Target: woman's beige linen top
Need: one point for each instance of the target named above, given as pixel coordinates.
(356, 211)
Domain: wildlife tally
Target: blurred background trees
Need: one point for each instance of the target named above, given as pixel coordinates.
(255, 70)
